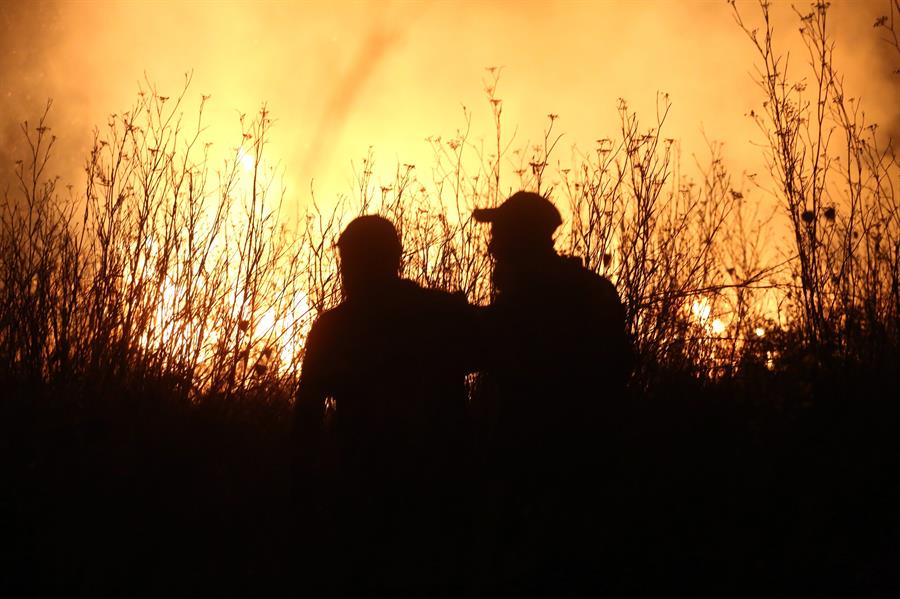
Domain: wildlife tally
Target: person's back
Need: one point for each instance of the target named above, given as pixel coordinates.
(393, 366)
(392, 359)
(560, 347)
(559, 353)
(558, 360)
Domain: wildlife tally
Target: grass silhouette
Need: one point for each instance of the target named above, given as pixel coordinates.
(153, 323)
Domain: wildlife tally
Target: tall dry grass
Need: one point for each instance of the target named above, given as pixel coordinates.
(835, 180)
(168, 268)
(152, 323)
(162, 268)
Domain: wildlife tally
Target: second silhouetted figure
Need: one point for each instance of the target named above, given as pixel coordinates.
(557, 358)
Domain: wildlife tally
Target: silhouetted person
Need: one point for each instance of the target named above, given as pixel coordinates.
(557, 361)
(392, 356)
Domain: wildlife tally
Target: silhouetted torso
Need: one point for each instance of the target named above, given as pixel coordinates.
(394, 362)
(556, 365)
(559, 352)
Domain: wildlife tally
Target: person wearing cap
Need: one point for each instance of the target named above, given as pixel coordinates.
(557, 359)
(392, 356)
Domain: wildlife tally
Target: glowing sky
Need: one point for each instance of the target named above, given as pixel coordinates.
(342, 76)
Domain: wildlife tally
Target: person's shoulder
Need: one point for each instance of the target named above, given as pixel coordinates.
(573, 266)
(332, 314)
(329, 319)
(600, 286)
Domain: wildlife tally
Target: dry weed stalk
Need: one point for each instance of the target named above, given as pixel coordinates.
(168, 271)
(836, 184)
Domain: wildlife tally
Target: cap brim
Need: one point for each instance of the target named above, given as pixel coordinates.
(485, 215)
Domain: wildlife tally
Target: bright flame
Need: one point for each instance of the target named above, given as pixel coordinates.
(165, 312)
(245, 160)
(717, 326)
(701, 309)
(300, 314)
(760, 332)
(266, 323)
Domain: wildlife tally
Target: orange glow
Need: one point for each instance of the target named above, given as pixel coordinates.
(245, 160)
(340, 77)
(717, 327)
(701, 310)
(406, 80)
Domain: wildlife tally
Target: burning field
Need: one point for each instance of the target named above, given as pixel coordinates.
(163, 256)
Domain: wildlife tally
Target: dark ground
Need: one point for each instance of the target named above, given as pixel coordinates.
(771, 487)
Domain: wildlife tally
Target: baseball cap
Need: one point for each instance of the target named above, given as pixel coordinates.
(524, 212)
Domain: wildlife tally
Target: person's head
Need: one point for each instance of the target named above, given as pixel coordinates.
(370, 253)
(521, 227)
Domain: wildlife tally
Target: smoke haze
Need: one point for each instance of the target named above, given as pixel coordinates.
(339, 77)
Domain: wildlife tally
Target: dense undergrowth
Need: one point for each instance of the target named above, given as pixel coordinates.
(152, 324)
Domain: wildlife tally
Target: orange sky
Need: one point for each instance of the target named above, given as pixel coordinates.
(342, 76)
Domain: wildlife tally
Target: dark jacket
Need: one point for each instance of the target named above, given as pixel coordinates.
(559, 355)
(394, 363)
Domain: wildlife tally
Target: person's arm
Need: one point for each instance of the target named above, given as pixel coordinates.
(617, 346)
(309, 407)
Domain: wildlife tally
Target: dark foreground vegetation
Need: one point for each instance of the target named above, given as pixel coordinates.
(728, 490)
(151, 326)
